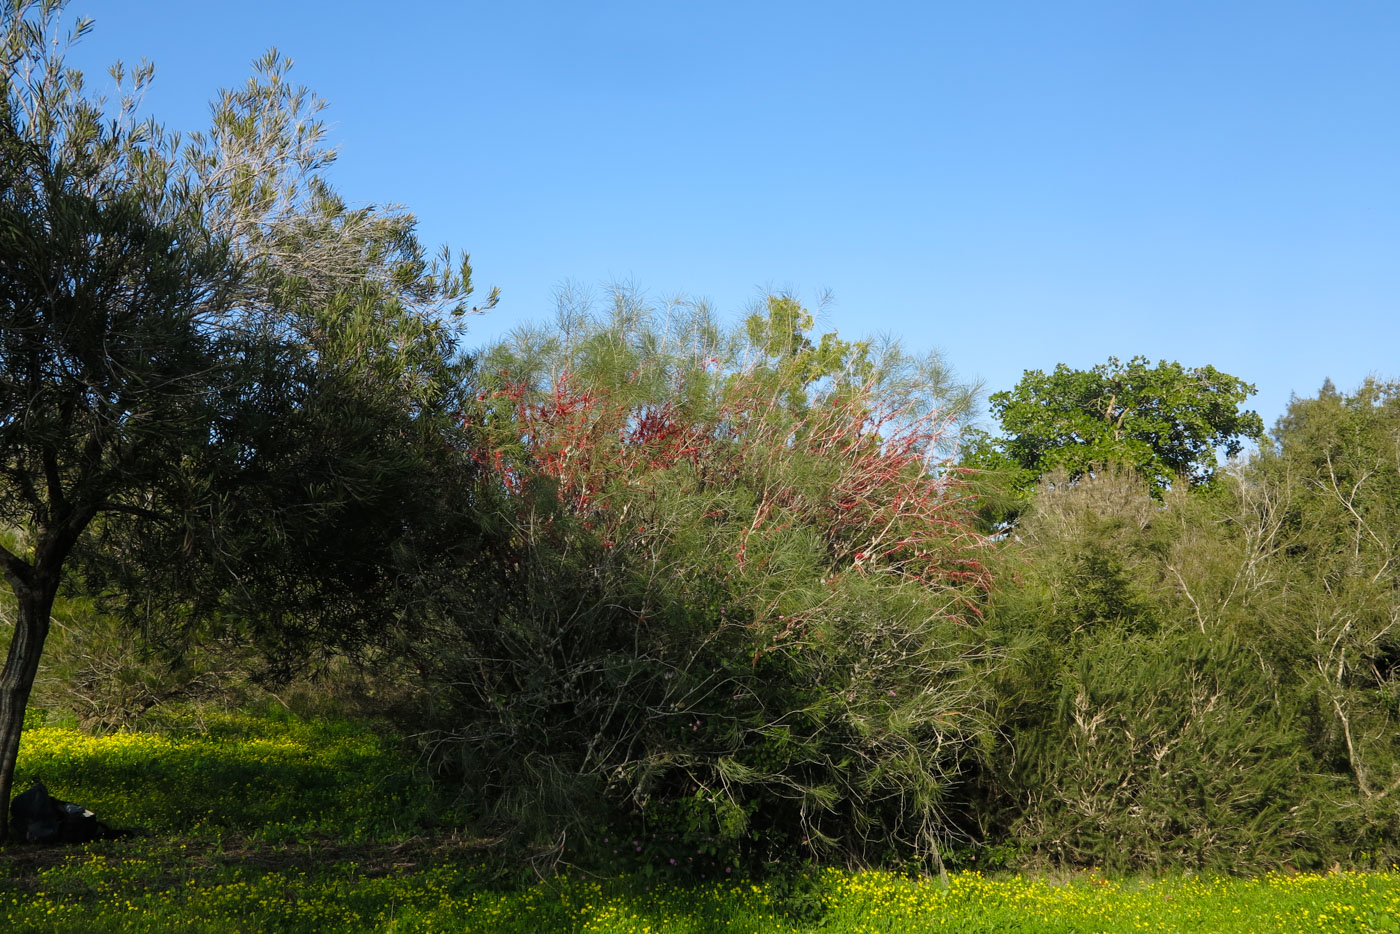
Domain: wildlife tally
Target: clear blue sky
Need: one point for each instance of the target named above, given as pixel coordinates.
(1016, 183)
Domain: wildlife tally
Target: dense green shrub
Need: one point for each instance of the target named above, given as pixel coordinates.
(1331, 491)
(744, 602)
(1193, 675)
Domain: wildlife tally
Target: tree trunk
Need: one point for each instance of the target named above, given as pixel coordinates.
(34, 604)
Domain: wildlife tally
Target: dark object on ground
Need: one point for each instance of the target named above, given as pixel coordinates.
(38, 817)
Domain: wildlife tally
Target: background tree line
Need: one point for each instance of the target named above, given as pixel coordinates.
(760, 592)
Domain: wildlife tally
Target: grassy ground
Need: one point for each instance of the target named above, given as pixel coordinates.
(275, 824)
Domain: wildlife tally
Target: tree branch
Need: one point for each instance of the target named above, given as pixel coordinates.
(109, 506)
(54, 480)
(17, 571)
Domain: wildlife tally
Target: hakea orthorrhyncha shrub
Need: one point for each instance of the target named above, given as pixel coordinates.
(858, 465)
(748, 588)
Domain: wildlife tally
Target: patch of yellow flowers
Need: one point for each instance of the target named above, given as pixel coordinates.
(114, 893)
(109, 892)
(1340, 903)
(240, 774)
(189, 788)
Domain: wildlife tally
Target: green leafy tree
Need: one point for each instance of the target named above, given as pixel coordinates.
(1166, 422)
(207, 362)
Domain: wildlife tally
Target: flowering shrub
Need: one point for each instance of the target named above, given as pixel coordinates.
(744, 594)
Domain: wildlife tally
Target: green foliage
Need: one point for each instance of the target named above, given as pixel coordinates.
(1165, 422)
(653, 594)
(97, 670)
(1330, 498)
(1201, 680)
(1136, 737)
(741, 596)
(234, 400)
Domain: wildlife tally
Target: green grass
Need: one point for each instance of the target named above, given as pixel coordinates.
(259, 823)
(207, 775)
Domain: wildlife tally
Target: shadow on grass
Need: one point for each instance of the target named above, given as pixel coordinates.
(280, 781)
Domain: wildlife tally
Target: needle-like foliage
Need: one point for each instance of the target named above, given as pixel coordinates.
(210, 366)
(745, 590)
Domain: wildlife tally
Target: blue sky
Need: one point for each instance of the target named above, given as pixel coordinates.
(1016, 183)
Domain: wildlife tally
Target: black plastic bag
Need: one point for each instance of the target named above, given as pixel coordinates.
(38, 817)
